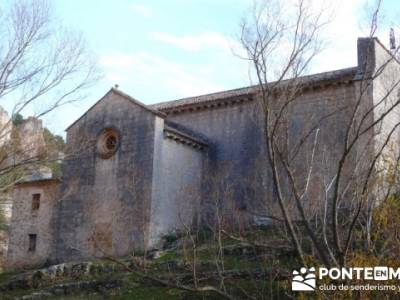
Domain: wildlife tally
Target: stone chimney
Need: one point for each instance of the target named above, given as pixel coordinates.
(366, 57)
(373, 57)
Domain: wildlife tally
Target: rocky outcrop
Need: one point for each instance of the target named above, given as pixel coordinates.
(65, 289)
(5, 126)
(31, 139)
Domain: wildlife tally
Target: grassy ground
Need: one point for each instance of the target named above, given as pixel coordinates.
(247, 272)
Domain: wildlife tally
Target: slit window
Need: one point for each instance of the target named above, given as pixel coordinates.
(32, 242)
(35, 201)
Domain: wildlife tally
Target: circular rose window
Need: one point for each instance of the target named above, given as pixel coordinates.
(107, 143)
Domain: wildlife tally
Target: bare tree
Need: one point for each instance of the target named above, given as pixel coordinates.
(280, 49)
(264, 37)
(281, 42)
(42, 67)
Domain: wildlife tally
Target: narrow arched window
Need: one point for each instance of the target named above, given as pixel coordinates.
(35, 201)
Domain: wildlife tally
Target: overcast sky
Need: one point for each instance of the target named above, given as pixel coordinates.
(164, 50)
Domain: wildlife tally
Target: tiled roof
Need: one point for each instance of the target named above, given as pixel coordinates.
(240, 94)
(186, 133)
(343, 74)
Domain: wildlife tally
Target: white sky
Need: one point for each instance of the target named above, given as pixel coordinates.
(164, 50)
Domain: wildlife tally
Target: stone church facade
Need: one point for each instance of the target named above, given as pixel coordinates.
(135, 172)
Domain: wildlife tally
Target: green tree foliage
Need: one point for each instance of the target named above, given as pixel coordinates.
(18, 119)
(53, 142)
(54, 147)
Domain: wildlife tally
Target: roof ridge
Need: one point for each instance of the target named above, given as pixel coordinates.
(125, 96)
(141, 104)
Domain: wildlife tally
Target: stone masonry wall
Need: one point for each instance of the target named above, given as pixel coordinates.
(386, 88)
(105, 205)
(27, 221)
(176, 185)
(238, 171)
